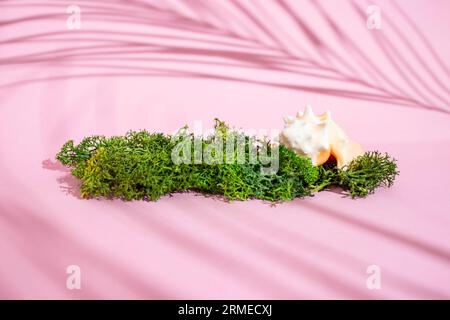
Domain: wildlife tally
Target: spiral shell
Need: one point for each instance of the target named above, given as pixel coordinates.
(318, 137)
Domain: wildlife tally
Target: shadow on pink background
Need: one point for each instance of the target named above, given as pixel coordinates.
(161, 64)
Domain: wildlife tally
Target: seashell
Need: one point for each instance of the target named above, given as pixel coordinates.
(318, 137)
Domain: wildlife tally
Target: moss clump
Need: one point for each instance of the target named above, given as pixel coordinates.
(141, 165)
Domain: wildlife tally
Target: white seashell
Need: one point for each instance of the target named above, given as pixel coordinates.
(318, 137)
(288, 120)
(308, 136)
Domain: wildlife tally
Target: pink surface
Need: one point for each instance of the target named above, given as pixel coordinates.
(161, 64)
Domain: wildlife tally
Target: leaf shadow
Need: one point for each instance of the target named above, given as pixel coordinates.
(279, 61)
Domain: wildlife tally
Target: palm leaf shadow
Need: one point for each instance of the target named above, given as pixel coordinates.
(222, 42)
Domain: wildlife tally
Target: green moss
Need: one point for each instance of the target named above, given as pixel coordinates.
(366, 173)
(139, 165)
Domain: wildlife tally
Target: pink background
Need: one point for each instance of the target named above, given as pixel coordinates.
(161, 64)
